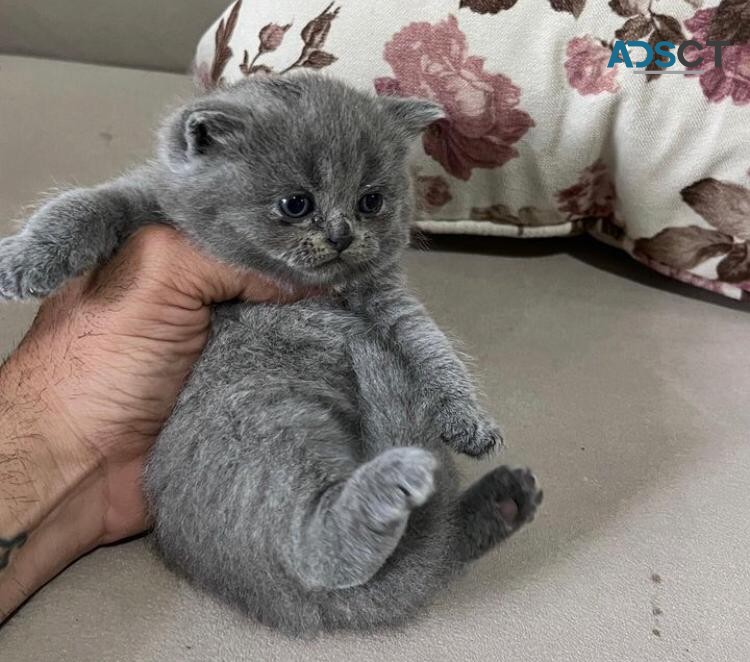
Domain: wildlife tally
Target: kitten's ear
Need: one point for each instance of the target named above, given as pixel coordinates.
(412, 114)
(197, 132)
(211, 130)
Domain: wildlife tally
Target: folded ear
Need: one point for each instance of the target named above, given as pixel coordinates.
(199, 132)
(209, 130)
(412, 114)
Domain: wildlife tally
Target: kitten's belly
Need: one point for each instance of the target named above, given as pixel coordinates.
(310, 352)
(295, 347)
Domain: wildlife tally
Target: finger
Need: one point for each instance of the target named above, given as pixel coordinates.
(219, 282)
(162, 260)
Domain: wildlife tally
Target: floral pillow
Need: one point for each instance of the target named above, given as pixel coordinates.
(543, 137)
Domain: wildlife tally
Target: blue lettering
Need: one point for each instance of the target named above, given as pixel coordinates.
(664, 48)
(619, 54)
(649, 52)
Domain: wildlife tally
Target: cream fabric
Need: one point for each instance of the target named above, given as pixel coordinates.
(542, 138)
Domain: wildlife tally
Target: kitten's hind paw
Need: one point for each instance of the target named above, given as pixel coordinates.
(397, 481)
(495, 507)
(469, 432)
(517, 495)
(27, 272)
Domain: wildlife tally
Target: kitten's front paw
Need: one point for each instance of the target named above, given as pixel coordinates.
(468, 431)
(27, 271)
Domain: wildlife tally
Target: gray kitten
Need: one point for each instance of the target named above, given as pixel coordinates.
(305, 474)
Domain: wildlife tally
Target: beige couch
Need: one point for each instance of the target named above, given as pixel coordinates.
(626, 392)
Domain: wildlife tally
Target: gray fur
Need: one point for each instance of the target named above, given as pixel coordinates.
(305, 474)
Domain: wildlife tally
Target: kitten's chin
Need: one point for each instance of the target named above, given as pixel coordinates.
(331, 274)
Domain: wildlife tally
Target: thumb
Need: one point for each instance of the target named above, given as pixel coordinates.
(203, 277)
(215, 282)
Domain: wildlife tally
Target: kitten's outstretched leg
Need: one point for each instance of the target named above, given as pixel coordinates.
(494, 508)
(71, 234)
(357, 525)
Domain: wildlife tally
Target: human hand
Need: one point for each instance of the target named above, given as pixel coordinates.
(91, 384)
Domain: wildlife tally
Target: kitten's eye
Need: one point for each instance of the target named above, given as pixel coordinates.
(370, 203)
(297, 206)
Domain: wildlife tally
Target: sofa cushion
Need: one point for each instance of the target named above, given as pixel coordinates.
(542, 137)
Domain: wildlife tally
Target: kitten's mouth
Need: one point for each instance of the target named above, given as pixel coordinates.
(340, 259)
(334, 269)
(335, 263)
(331, 270)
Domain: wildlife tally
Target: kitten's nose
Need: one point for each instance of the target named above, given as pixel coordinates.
(340, 243)
(340, 236)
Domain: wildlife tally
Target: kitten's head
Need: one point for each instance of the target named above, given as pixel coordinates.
(300, 176)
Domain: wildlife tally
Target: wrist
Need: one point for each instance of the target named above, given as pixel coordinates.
(65, 530)
(53, 509)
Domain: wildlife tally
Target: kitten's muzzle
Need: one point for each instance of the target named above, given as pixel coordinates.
(339, 235)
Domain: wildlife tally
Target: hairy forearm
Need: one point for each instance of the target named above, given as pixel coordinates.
(46, 482)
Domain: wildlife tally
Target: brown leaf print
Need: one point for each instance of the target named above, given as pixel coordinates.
(318, 60)
(724, 205)
(669, 28)
(252, 69)
(634, 28)
(735, 267)
(684, 247)
(248, 68)
(315, 33)
(629, 7)
(644, 22)
(574, 7)
(666, 28)
(487, 6)
(731, 22)
(314, 36)
(271, 36)
(222, 52)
